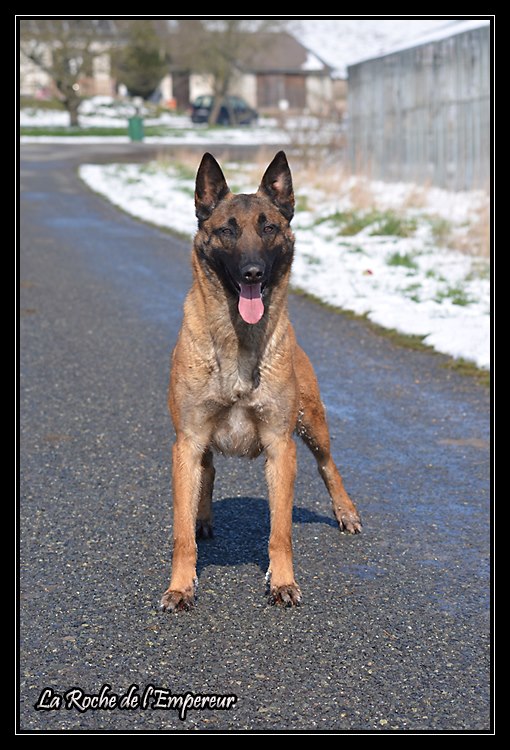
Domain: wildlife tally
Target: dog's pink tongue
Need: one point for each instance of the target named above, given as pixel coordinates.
(251, 307)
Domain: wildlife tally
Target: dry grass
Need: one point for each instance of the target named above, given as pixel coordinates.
(319, 177)
(189, 159)
(476, 240)
(417, 197)
(361, 194)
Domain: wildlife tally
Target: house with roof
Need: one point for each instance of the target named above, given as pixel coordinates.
(281, 74)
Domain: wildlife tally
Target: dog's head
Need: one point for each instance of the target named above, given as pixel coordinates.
(245, 240)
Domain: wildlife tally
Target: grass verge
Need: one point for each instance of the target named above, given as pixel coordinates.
(99, 131)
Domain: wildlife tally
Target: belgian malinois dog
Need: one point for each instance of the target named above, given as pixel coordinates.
(239, 383)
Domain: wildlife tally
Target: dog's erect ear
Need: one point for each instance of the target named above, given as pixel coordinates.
(277, 184)
(210, 187)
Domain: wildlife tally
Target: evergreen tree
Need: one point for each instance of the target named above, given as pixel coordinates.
(140, 63)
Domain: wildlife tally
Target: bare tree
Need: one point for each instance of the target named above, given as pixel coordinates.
(64, 49)
(218, 48)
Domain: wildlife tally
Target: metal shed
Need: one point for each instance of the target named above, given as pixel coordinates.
(422, 113)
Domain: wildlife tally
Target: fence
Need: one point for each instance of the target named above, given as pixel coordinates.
(422, 114)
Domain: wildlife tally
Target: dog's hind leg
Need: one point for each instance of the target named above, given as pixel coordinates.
(204, 514)
(312, 427)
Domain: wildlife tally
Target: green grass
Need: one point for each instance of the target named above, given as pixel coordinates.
(432, 274)
(455, 294)
(352, 223)
(393, 225)
(302, 203)
(402, 259)
(410, 291)
(150, 168)
(461, 366)
(441, 229)
(349, 222)
(101, 131)
(312, 260)
(385, 223)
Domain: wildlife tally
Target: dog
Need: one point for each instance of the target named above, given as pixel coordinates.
(240, 385)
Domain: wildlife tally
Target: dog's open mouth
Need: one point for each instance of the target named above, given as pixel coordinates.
(250, 303)
(251, 306)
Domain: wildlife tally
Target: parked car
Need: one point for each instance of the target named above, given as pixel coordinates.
(233, 111)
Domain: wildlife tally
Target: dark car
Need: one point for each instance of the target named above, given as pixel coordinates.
(233, 111)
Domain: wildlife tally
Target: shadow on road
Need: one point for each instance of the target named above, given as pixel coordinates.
(241, 528)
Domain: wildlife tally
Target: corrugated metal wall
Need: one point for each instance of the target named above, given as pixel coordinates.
(423, 114)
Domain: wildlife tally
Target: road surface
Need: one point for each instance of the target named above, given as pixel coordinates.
(393, 633)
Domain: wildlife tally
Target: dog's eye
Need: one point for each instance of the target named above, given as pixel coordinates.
(269, 229)
(226, 231)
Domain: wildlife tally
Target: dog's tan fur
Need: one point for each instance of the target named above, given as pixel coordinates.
(243, 389)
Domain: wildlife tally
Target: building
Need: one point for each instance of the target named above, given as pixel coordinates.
(281, 74)
(421, 113)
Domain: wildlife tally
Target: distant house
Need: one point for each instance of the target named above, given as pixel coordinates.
(282, 73)
(97, 78)
(421, 113)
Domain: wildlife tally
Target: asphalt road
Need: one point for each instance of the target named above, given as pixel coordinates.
(393, 632)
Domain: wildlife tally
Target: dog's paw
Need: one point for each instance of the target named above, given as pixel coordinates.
(204, 529)
(348, 521)
(177, 601)
(285, 596)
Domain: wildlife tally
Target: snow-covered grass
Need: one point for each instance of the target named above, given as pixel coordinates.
(100, 112)
(377, 249)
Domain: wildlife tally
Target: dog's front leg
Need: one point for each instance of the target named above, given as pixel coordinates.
(187, 475)
(280, 475)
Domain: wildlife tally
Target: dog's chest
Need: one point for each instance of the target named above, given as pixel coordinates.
(238, 408)
(236, 431)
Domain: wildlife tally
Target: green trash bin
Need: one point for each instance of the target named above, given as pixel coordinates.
(135, 128)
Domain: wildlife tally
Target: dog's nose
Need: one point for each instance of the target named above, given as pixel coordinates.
(252, 273)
